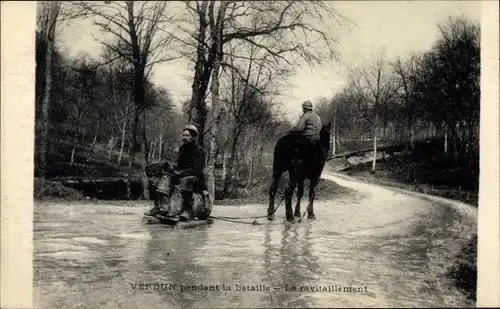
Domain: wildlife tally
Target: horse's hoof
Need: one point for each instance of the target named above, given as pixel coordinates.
(311, 216)
(270, 217)
(290, 220)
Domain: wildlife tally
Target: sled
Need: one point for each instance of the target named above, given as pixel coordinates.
(175, 221)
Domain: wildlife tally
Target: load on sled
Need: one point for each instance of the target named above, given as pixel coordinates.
(176, 199)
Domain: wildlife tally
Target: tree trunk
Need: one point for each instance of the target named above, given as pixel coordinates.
(44, 133)
(91, 151)
(152, 149)
(374, 162)
(334, 135)
(445, 139)
(457, 141)
(213, 130)
(250, 169)
(144, 178)
(160, 143)
(412, 135)
(160, 151)
(73, 151)
(201, 77)
(230, 167)
(337, 135)
(131, 156)
(216, 104)
(144, 138)
(111, 146)
(224, 164)
(145, 149)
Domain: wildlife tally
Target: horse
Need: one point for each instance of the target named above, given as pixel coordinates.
(285, 160)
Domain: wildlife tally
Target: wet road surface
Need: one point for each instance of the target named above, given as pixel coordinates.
(381, 249)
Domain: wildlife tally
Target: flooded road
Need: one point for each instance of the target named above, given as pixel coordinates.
(382, 249)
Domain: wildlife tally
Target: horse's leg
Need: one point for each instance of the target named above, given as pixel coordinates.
(312, 193)
(300, 194)
(288, 196)
(272, 192)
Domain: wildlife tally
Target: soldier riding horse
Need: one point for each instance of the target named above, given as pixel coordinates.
(303, 160)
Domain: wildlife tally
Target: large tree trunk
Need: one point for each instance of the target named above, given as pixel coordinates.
(44, 132)
(144, 138)
(144, 177)
(216, 104)
(131, 156)
(138, 108)
(201, 77)
(224, 164)
(145, 149)
(213, 130)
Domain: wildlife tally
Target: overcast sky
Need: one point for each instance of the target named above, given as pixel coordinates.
(396, 27)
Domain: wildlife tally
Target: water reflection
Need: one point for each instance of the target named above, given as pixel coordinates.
(398, 261)
(171, 258)
(288, 263)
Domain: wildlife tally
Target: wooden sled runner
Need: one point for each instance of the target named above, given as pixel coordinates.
(174, 222)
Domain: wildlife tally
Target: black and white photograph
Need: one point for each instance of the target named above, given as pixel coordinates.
(256, 154)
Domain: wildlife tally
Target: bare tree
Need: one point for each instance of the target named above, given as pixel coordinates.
(374, 87)
(217, 37)
(120, 100)
(405, 70)
(139, 33)
(244, 103)
(287, 22)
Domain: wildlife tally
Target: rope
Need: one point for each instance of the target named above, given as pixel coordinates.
(254, 222)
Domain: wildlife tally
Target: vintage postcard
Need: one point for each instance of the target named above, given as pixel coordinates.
(249, 154)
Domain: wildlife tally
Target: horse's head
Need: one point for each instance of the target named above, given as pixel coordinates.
(324, 138)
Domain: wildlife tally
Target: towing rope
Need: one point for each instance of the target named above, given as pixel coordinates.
(254, 222)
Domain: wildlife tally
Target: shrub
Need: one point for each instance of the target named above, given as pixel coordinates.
(45, 188)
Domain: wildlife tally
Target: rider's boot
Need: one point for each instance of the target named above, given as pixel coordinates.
(187, 205)
(153, 211)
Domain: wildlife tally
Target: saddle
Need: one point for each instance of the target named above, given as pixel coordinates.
(305, 151)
